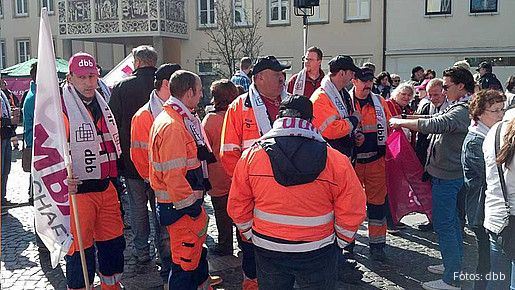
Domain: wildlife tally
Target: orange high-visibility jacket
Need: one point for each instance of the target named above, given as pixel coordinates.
(326, 117)
(308, 214)
(173, 156)
(239, 132)
(140, 129)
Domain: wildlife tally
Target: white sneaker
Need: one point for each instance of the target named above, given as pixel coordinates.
(436, 269)
(438, 285)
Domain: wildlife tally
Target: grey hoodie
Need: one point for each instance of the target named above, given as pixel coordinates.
(450, 128)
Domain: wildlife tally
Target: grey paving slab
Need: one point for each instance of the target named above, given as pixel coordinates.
(23, 267)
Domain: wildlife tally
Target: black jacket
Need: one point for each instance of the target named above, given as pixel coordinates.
(490, 81)
(127, 97)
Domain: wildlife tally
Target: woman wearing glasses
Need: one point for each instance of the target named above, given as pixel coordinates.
(485, 109)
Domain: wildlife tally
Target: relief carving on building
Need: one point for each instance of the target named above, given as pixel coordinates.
(107, 27)
(79, 28)
(79, 11)
(106, 10)
(134, 9)
(135, 26)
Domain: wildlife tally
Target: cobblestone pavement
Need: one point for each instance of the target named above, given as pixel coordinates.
(22, 267)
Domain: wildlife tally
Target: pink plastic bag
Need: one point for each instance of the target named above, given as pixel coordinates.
(407, 192)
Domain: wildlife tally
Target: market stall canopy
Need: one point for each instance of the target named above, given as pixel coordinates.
(23, 69)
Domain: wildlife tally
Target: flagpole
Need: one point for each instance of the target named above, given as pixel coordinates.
(78, 230)
(46, 58)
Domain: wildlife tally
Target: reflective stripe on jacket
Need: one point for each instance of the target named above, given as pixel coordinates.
(326, 117)
(370, 150)
(239, 132)
(140, 129)
(175, 172)
(296, 218)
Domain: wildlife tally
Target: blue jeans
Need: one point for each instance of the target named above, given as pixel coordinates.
(140, 194)
(447, 225)
(500, 265)
(6, 165)
(310, 270)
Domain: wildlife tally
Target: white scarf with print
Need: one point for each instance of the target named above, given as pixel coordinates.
(300, 83)
(84, 140)
(260, 112)
(289, 126)
(155, 104)
(334, 96)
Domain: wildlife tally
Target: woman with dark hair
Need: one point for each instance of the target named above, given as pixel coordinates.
(485, 109)
(429, 74)
(223, 92)
(510, 91)
(382, 85)
(498, 211)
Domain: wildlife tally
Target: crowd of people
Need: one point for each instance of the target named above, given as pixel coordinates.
(297, 166)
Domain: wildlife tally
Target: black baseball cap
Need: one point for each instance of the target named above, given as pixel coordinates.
(486, 65)
(342, 62)
(302, 104)
(365, 74)
(165, 71)
(268, 62)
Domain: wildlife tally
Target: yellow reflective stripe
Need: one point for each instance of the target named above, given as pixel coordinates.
(244, 226)
(327, 122)
(344, 232)
(247, 234)
(174, 163)
(191, 199)
(249, 143)
(295, 220)
(292, 248)
(111, 280)
(366, 155)
(369, 128)
(139, 144)
(230, 147)
(341, 243)
(377, 223)
(162, 195)
(377, 240)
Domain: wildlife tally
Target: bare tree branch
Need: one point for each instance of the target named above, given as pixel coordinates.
(229, 42)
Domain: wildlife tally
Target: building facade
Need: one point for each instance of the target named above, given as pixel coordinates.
(109, 29)
(437, 33)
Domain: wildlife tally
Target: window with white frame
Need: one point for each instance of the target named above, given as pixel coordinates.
(206, 13)
(3, 59)
(438, 7)
(278, 11)
(320, 13)
(21, 8)
(241, 12)
(23, 50)
(357, 10)
(483, 6)
(49, 5)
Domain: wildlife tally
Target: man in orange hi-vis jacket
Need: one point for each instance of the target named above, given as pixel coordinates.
(248, 118)
(179, 155)
(293, 196)
(140, 129)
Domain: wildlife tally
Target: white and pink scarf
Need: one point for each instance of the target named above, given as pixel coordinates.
(290, 126)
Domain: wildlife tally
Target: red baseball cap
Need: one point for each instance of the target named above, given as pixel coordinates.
(82, 64)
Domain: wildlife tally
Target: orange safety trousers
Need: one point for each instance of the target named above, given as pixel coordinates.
(372, 176)
(100, 223)
(189, 258)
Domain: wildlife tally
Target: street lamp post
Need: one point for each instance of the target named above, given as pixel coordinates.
(305, 9)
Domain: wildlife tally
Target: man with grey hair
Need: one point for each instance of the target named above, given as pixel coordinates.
(127, 97)
(241, 77)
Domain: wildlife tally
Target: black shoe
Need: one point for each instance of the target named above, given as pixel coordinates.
(377, 255)
(426, 227)
(348, 272)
